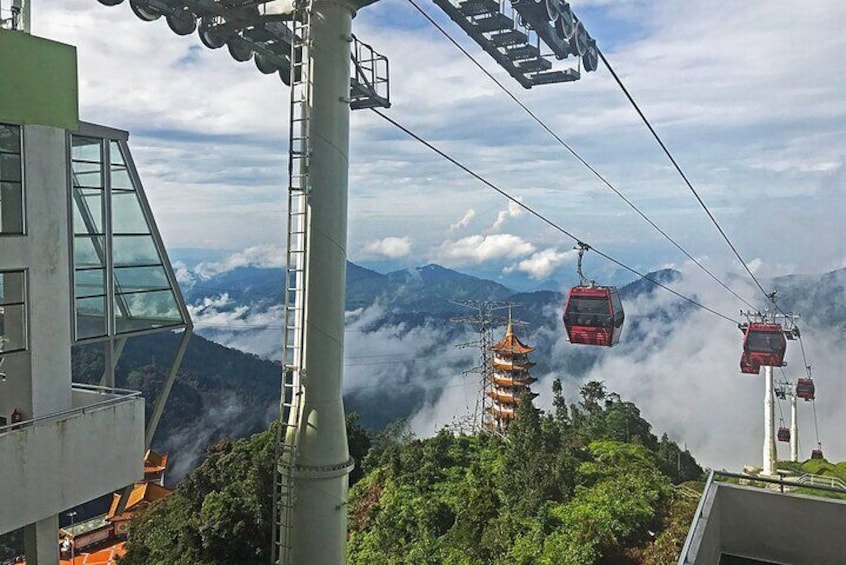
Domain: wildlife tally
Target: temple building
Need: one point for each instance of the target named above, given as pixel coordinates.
(509, 379)
(101, 540)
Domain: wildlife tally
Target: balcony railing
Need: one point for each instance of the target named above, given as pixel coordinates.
(84, 401)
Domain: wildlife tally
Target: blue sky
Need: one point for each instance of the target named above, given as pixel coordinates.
(749, 97)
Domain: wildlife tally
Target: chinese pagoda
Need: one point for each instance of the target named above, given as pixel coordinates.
(508, 380)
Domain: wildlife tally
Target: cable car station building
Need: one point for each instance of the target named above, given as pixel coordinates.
(81, 261)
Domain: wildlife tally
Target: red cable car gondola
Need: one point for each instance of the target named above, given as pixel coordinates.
(593, 315)
(763, 344)
(817, 453)
(805, 389)
(746, 366)
(783, 434)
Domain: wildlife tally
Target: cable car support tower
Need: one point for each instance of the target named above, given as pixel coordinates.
(312, 456)
(788, 323)
(787, 389)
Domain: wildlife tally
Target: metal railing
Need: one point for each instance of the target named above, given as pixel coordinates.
(117, 396)
(809, 479)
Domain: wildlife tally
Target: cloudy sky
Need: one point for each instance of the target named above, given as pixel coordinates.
(748, 96)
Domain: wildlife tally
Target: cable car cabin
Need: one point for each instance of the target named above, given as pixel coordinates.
(783, 434)
(593, 315)
(817, 454)
(805, 389)
(764, 344)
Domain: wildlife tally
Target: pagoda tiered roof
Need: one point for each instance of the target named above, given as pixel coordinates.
(510, 398)
(504, 365)
(511, 343)
(500, 379)
(501, 413)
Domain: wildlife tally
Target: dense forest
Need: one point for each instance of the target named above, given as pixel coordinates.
(587, 483)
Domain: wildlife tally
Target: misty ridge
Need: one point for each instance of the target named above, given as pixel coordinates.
(677, 361)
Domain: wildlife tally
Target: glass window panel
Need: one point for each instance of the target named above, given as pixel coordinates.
(86, 149)
(120, 178)
(133, 279)
(10, 167)
(12, 287)
(88, 211)
(89, 179)
(12, 328)
(86, 168)
(115, 154)
(127, 215)
(147, 310)
(11, 208)
(90, 282)
(134, 250)
(88, 251)
(90, 317)
(10, 138)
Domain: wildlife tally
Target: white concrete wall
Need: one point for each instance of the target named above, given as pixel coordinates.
(769, 526)
(38, 380)
(54, 465)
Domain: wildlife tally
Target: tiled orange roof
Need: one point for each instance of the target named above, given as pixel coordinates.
(105, 556)
(511, 343)
(522, 366)
(154, 463)
(143, 492)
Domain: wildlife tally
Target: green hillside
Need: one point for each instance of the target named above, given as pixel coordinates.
(587, 484)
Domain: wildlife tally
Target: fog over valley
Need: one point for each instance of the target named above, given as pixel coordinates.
(677, 362)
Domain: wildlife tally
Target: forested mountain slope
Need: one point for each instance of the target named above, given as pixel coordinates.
(587, 484)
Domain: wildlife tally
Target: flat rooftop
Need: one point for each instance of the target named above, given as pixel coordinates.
(747, 520)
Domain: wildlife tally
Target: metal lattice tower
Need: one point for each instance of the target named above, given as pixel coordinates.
(296, 284)
(484, 319)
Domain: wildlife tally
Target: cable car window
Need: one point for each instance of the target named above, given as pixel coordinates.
(618, 308)
(765, 341)
(615, 302)
(589, 312)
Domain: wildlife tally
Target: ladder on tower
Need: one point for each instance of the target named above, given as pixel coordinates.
(294, 370)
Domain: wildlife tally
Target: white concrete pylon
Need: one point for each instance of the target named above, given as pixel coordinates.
(769, 418)
(794, 429)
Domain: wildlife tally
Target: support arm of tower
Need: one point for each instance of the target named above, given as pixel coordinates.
(163, 395)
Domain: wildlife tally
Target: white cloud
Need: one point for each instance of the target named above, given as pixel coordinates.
(512, 211)
(183, 274)
(542, 264)
(464, 221)
(478, 249)
(390, 247)
(262, 256)
(209, 134)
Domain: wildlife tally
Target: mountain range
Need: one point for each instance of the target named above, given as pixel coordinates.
(401, 346)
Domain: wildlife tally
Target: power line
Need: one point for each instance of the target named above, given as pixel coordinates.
(576, 155)
(543, 218)
(679, 170)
